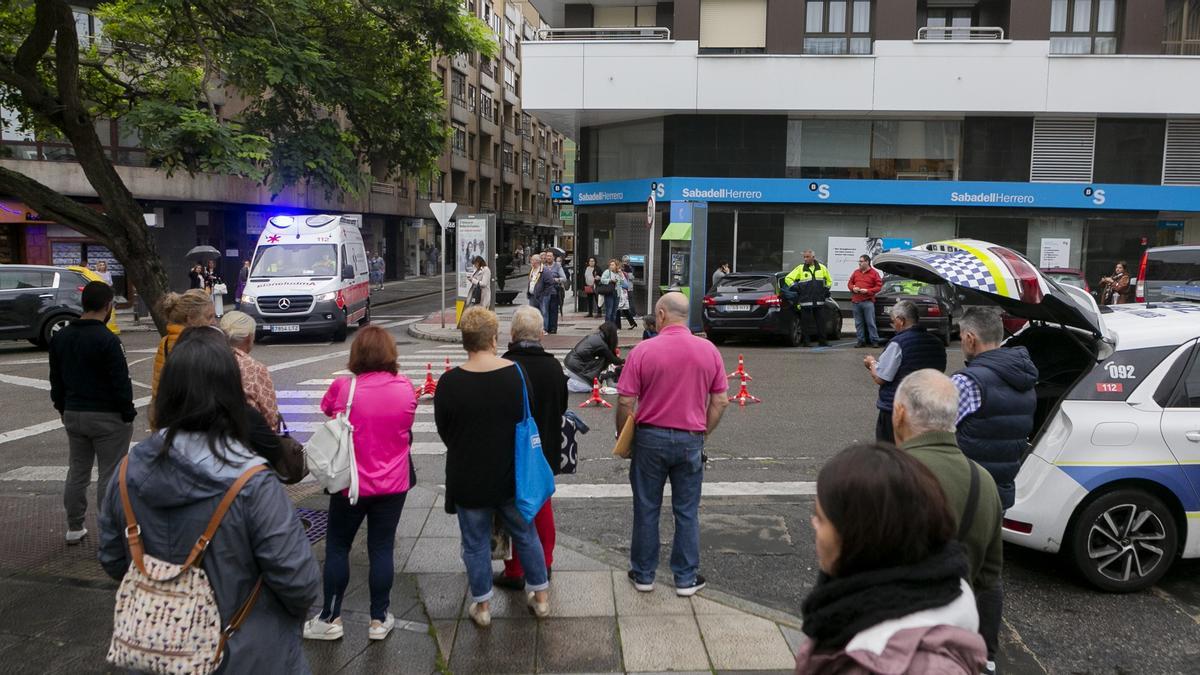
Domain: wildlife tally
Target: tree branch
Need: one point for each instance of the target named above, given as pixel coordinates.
(37, 43)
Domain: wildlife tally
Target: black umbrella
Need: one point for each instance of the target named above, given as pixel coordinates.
(202, 253)
(557, 251)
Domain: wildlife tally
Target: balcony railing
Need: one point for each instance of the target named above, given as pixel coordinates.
(602, 34)
(959, 34)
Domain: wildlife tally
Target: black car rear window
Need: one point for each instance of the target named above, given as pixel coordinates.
(1178, 265)
(1116, 378)
(733, 283)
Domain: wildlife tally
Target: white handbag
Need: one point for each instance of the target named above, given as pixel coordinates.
(329, 453)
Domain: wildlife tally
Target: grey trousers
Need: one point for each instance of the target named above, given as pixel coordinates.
(93, 436)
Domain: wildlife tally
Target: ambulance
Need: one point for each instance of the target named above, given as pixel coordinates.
(309, 276)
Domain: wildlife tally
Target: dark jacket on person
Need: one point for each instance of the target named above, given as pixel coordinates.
(997, 434)
(938, 450)
(547, 395)
(540, 288)
(810, 283)
(919, 349)
(476, 416)
(88, 371)
(173, 497)
(590, 356)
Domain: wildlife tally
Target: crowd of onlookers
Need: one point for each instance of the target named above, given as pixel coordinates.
(907, 536)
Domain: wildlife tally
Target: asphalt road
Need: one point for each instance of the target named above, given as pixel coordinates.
(757, 544)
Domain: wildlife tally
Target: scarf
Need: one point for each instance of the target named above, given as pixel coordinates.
(837, 609)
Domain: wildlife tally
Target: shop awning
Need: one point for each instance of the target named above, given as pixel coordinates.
(678, 232)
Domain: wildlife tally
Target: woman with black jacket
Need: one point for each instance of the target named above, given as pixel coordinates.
(588, 359)
(547, 403)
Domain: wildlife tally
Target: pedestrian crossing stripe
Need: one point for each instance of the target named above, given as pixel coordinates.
(417, 427)
(315, 409)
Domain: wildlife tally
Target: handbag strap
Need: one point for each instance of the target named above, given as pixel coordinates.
(524, 390)
(133, 531)
(968, 517)
(350, 398)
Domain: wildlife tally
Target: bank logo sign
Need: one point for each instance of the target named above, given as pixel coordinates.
(891, 193)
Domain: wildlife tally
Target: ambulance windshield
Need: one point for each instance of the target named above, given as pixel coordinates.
(295, 260)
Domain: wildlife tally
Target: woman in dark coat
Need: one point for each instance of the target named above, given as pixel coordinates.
(588, 359)
(175, 479)
(547, 403)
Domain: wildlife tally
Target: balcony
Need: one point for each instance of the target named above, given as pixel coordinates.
(961, 34)
(459, 112)
(603, 34)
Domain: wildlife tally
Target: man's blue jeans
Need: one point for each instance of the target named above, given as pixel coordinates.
(476, 528)
(549, 309)
(660, 455)
(864, 322)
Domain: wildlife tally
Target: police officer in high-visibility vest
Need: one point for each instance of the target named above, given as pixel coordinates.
(810, 282)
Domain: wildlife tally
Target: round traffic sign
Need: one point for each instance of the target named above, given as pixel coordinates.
(650, 211)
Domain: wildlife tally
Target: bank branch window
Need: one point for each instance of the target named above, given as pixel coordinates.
(878, 149)
(837, 27)
(1182, 35)
(1083, 26)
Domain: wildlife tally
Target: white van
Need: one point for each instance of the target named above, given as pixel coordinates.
(309, 276)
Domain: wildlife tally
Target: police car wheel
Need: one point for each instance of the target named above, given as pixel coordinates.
(1124, 540)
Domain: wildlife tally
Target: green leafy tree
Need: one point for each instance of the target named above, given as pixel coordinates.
(315, 90)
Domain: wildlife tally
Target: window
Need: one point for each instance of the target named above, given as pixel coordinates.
(733, 26)
(486, 106)
(959, 18)
(16, 280)
(458, 141)
(541, 170)
(471, 146)
(507, 157)
(880, 149)
(837, 27)
(997, 148)
(458, 88)
(510, 32)
(1182, 32)
(1083, 26)
(470, 98)
(526, 124)
(829, 149)
(524, 163)
(1129, 151)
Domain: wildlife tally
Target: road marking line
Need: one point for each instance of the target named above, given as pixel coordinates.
(316, 383)
(26, 362)
(418, 427)
(26, 382)
(432, 448)
(313, 409)
(304, 362)
(43, 427)
(283, 394)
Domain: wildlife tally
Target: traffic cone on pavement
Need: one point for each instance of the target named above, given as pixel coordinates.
(595, 398)
(743, 396)
(429, 388)
(447, 364)
(741, 370)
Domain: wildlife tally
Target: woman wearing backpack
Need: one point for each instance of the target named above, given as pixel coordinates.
(382, 411)
(174, 480)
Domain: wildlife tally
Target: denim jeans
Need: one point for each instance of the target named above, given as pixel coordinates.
(660, 455)
(476, 528)
(382, 513)
(549, 311)
(610, 308)
(864, 321)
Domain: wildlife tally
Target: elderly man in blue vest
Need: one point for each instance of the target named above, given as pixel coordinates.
(996, 399)
(912, 349)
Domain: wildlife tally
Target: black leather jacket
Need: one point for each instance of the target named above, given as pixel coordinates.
(590, 357)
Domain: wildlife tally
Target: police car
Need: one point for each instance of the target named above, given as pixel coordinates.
(1112, 476)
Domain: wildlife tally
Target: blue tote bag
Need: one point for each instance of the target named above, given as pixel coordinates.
(535, 480)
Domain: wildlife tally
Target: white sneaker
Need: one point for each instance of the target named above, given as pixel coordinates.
(74, 536)
(481, 617)
(608, 391)
(380, 629)
(316, 629)
(540, 609)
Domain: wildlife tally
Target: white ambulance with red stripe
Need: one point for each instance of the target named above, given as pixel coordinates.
(309, 276)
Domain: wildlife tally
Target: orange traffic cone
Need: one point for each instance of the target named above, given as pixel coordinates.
(595, 397)
(447, 364)
(743, 396)
(741, 370)
(429, 388)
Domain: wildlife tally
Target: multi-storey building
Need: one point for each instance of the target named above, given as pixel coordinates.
(1065, 129)
(499, 160)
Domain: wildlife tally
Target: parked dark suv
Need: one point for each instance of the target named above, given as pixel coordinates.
(36, 301)
(748, 304)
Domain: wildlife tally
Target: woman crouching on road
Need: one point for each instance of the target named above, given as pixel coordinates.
(477, 408)
(891, 596)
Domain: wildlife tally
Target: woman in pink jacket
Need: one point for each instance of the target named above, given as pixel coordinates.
(382, 413)
(891, 596)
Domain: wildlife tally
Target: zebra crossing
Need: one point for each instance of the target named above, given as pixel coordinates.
(301, 408)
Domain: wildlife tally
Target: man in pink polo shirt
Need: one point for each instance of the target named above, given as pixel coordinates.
(677, 382)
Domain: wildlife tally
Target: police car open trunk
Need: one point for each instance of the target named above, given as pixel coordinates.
(1064, 334)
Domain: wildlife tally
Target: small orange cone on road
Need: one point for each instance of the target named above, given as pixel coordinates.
(429, 388)
(744, 396)
(595, 398)
(741, 370)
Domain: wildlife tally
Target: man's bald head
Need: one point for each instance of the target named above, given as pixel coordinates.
(672, 308)
(926, 401)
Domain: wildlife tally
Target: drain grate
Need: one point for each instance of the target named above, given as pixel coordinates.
(315, 522)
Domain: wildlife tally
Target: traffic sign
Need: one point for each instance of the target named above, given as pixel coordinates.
(566, 213)
(650, 211)
(442, 211)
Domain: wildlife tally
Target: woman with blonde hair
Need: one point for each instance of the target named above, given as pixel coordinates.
(182, 310)
(480, 436)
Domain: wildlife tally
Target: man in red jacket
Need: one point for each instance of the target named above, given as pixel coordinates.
(864, 283)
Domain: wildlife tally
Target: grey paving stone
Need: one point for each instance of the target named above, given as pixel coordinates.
(790, 671)
(656, 643)
(420, 496)
(507, 646)
(566, 560)
(581, 594)
(794, 637)
(333, 655)
(578, 645)
(412, 520)
(745, 642)
(443, 594)
(401, 652)
(440, 524)
(435, 554)
(662, 601)
(404, 594)
(445, 631)
(705, 606)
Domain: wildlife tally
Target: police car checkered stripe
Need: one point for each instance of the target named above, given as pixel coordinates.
(964, 269)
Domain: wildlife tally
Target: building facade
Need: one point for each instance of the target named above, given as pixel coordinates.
(1064, 129)
(500, 159)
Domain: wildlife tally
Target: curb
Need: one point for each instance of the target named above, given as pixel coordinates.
(414, 330)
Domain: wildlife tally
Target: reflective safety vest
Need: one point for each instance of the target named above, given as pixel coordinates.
(814, 283)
